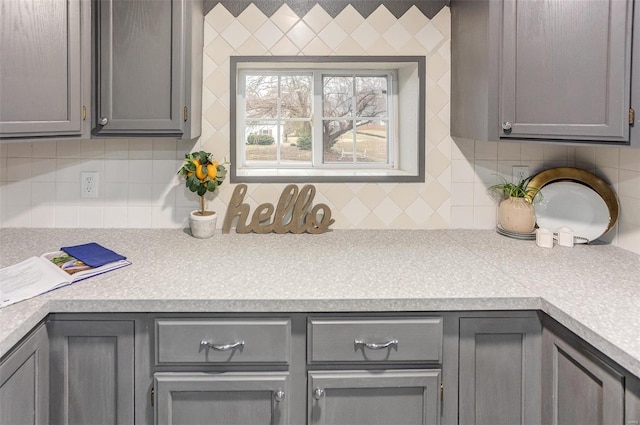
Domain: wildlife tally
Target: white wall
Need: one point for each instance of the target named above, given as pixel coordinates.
(39, 182)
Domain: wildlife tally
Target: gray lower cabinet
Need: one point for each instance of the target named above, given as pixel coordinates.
(374, 397)
(543, 70)
(149, 68)
(581, 389)
(499, 371)
(45, 69)
(92, 372)
(229, 398)
(24, 382)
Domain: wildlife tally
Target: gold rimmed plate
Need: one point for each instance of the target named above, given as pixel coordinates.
(577, 175)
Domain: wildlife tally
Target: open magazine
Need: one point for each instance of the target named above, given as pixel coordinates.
(50, 271)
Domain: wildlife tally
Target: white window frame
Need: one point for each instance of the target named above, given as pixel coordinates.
(405, 157)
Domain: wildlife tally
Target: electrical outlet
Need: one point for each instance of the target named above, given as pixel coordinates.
(89, 184)
(520, 172)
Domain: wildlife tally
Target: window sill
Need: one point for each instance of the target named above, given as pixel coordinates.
(297, 175)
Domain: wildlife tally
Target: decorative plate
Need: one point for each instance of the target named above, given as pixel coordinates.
(576, 199)
(515, 235)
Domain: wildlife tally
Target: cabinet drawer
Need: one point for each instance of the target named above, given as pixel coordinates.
(370, 340)
(222, 341)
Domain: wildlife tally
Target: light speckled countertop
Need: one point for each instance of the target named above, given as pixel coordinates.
(593, 290)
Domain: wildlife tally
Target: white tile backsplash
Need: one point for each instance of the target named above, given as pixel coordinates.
(39, 181)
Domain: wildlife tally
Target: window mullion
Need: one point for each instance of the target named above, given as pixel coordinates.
(354, 106)
(317, 123)
(278, 119)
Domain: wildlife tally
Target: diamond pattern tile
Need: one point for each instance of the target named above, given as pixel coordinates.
(381, 47)
(349, 19)
(332, 35)
(268, 34)
(217, 115)
(317, 48)
(413, 20)
(284, 18)
(349, 47)
(219, 50)
(396, 35)
(365, 35)
(300, 34)
(371, 195)
(284, 47)
(356, 211)
(418, 211)
(404, 195)
(382, 19)
(387, 211)
(235, 34)
(429, 36)
(252, 47)
(317, 18)
(436, 163)
(252, 17)
(219, 18)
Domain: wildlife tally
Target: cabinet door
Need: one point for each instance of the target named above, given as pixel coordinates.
(45, 64)
(24, 382)
(141, 53)
(499, 371)
(91, 372)
(566, 68)
(222, 399)
(579, 388)
(401, 397)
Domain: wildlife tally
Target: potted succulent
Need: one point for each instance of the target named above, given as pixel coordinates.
(515, 211)
(202, 174)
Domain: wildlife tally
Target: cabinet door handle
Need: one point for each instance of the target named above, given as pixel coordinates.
(318, 393)
(223, 347)
(375, 345)
(279, 396)
(506, 126)
(103, 121)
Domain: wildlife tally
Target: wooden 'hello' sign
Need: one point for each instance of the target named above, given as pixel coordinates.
(293, 214)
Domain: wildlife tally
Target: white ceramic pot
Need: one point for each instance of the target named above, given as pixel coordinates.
(516, 215)
(203, 226)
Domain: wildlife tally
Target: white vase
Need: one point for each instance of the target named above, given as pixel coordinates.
(516, 215)
(203, 226)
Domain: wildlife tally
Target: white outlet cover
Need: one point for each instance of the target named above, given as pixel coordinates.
(89, 184)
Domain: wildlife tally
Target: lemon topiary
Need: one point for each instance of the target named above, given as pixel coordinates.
(203, 174)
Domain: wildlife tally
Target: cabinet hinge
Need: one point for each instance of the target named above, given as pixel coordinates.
(84, 112)
(632, 116)
(186, 113)
(153, 396)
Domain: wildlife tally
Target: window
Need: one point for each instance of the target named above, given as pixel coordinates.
(314, 119)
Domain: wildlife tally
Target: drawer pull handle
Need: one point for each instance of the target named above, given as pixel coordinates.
(279, 396)
(376, 346)
(318, 393)
(222, 347)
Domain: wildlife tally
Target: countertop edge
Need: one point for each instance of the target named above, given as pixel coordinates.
(608, 348)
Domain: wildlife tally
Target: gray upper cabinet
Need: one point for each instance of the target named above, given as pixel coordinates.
(542, 70)
(45, 69)
(92, 372)
(24, 382)
(149, 68)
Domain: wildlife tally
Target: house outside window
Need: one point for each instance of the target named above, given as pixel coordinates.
(327, 120)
